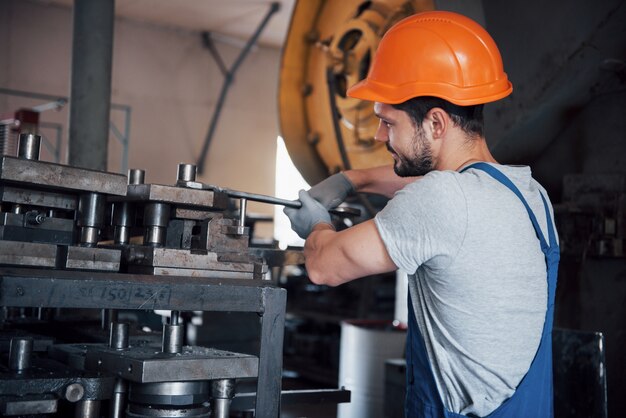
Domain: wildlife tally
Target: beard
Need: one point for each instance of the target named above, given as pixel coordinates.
(418, 164)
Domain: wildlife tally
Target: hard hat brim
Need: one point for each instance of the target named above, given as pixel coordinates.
(374, 91)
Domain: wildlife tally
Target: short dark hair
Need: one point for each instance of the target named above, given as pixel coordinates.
(468, 118)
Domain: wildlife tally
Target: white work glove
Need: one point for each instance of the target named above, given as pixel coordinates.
(332, 191)
(306, 217)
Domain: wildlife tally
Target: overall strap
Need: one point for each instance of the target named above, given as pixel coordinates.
(534, 395)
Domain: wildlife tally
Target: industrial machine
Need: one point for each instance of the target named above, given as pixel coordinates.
(328, 48)
(78, 245)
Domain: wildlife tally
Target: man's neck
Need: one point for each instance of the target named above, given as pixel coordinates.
(461, 154)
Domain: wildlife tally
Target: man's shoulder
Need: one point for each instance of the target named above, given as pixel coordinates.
(435, 192)
(436, 180)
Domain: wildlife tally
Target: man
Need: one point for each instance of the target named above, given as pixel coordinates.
(477, 238)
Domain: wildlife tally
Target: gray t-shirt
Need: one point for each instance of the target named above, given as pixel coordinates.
(477, 279)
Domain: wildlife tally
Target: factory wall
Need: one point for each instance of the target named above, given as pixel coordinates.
(171, 83)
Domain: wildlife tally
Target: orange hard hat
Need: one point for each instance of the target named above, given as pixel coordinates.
(437, 53)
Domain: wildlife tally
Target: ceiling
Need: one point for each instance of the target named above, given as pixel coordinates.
(236, 19)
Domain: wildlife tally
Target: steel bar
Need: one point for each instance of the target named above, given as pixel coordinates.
(245, 400)
(99, 290)
(228, 79)
(341, 211)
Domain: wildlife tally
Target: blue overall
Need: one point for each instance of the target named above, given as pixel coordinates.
(533, 397)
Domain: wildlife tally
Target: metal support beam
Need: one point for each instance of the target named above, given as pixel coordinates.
(271, 354)
(229, 76)
(90, 96)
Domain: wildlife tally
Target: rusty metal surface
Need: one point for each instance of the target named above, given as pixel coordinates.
(178, 195)
(28, 254)
(63, 177)
(170, 257)
(191, 273)
(198, 215)
(85, 258)
(48, 199)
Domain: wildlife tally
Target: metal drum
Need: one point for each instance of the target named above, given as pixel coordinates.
(365, 345)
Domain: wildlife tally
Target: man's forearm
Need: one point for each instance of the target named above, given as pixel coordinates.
(379, 180)
(333, 258)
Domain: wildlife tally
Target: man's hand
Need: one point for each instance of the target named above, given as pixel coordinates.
(310, 214)
(332, 191)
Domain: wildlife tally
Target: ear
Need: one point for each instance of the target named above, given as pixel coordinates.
(437, 121)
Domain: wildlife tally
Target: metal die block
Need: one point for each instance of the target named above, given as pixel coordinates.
(47, 376)
(71, 354)
(186, 394)
(33, 227)
(28, 220)
(235, 230)
(178, 196)
(276, 258)
(180, 262)
(87, 258)
(196, 215)
(151, 365)
(27, 254)
(205, 274)
(171, 257)
(223, 235)
(47, 199)
(61, 176)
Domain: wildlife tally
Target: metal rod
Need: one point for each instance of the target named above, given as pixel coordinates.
(29, 146)
(174, 317)
(186, 172)
(222, 392)
(173, 338)
(20, 351)
(136, 176)
(243, 204)
(118, 401)
(228, 79)
(118, 335)
(87, 409)
(343, 211)
(208, 43)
